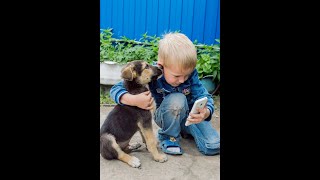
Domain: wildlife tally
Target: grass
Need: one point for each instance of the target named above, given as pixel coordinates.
(105, 98)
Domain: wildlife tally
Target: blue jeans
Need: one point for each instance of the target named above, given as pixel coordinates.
(171, 117)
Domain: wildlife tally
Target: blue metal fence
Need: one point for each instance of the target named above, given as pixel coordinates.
(198, 19)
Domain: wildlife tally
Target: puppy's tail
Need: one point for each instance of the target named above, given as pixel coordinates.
(107, 142)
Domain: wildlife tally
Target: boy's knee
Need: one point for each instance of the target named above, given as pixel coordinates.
(177, 101)
(211, 149)
(175, 104)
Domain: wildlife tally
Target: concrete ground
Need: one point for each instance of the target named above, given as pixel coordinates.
(189, 166)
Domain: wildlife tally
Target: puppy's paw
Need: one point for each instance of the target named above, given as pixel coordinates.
(134, 162)
(161, 158)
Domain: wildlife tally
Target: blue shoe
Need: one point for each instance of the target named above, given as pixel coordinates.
(167, 144)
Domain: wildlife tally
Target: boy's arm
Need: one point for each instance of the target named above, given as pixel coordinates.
(121, 96)
(199, 91)
(117, 91)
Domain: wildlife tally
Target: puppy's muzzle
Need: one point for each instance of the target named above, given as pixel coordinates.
(157, 72)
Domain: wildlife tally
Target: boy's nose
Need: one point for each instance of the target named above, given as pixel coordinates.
(181, 79)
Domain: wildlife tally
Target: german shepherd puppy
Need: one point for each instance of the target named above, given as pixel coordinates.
(124, 121)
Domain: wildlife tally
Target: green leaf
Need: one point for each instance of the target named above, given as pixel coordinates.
(214, 74)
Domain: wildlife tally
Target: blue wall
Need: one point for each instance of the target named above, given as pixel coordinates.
(198, 19)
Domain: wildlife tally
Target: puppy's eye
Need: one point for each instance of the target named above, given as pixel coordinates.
(147, 66)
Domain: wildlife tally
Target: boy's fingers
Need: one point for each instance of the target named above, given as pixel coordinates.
(148, 94)
(149, 107)
(195, 117)
(151, 101)
(193, 120)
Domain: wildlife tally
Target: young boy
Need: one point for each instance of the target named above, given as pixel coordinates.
(175, 93)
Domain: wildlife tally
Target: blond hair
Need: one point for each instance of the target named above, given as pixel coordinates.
(176, 49)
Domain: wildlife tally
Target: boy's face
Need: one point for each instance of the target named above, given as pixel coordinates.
(175, 76)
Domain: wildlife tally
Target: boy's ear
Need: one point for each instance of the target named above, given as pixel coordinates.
(159, 62)
(127, 73)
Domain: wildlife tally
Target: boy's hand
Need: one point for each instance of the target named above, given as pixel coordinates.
(198, 118)
(143, 100)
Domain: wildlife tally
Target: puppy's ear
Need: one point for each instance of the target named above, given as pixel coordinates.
(128, 73)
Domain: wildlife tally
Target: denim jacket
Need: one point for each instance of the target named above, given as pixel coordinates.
(192, 88)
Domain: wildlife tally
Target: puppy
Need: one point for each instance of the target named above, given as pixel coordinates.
(124, 121)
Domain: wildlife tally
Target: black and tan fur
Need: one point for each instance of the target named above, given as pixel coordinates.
(124, 121)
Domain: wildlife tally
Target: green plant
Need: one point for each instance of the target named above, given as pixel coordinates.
(106, 47)
(105, 98)
(125, 50)
(208, 63)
